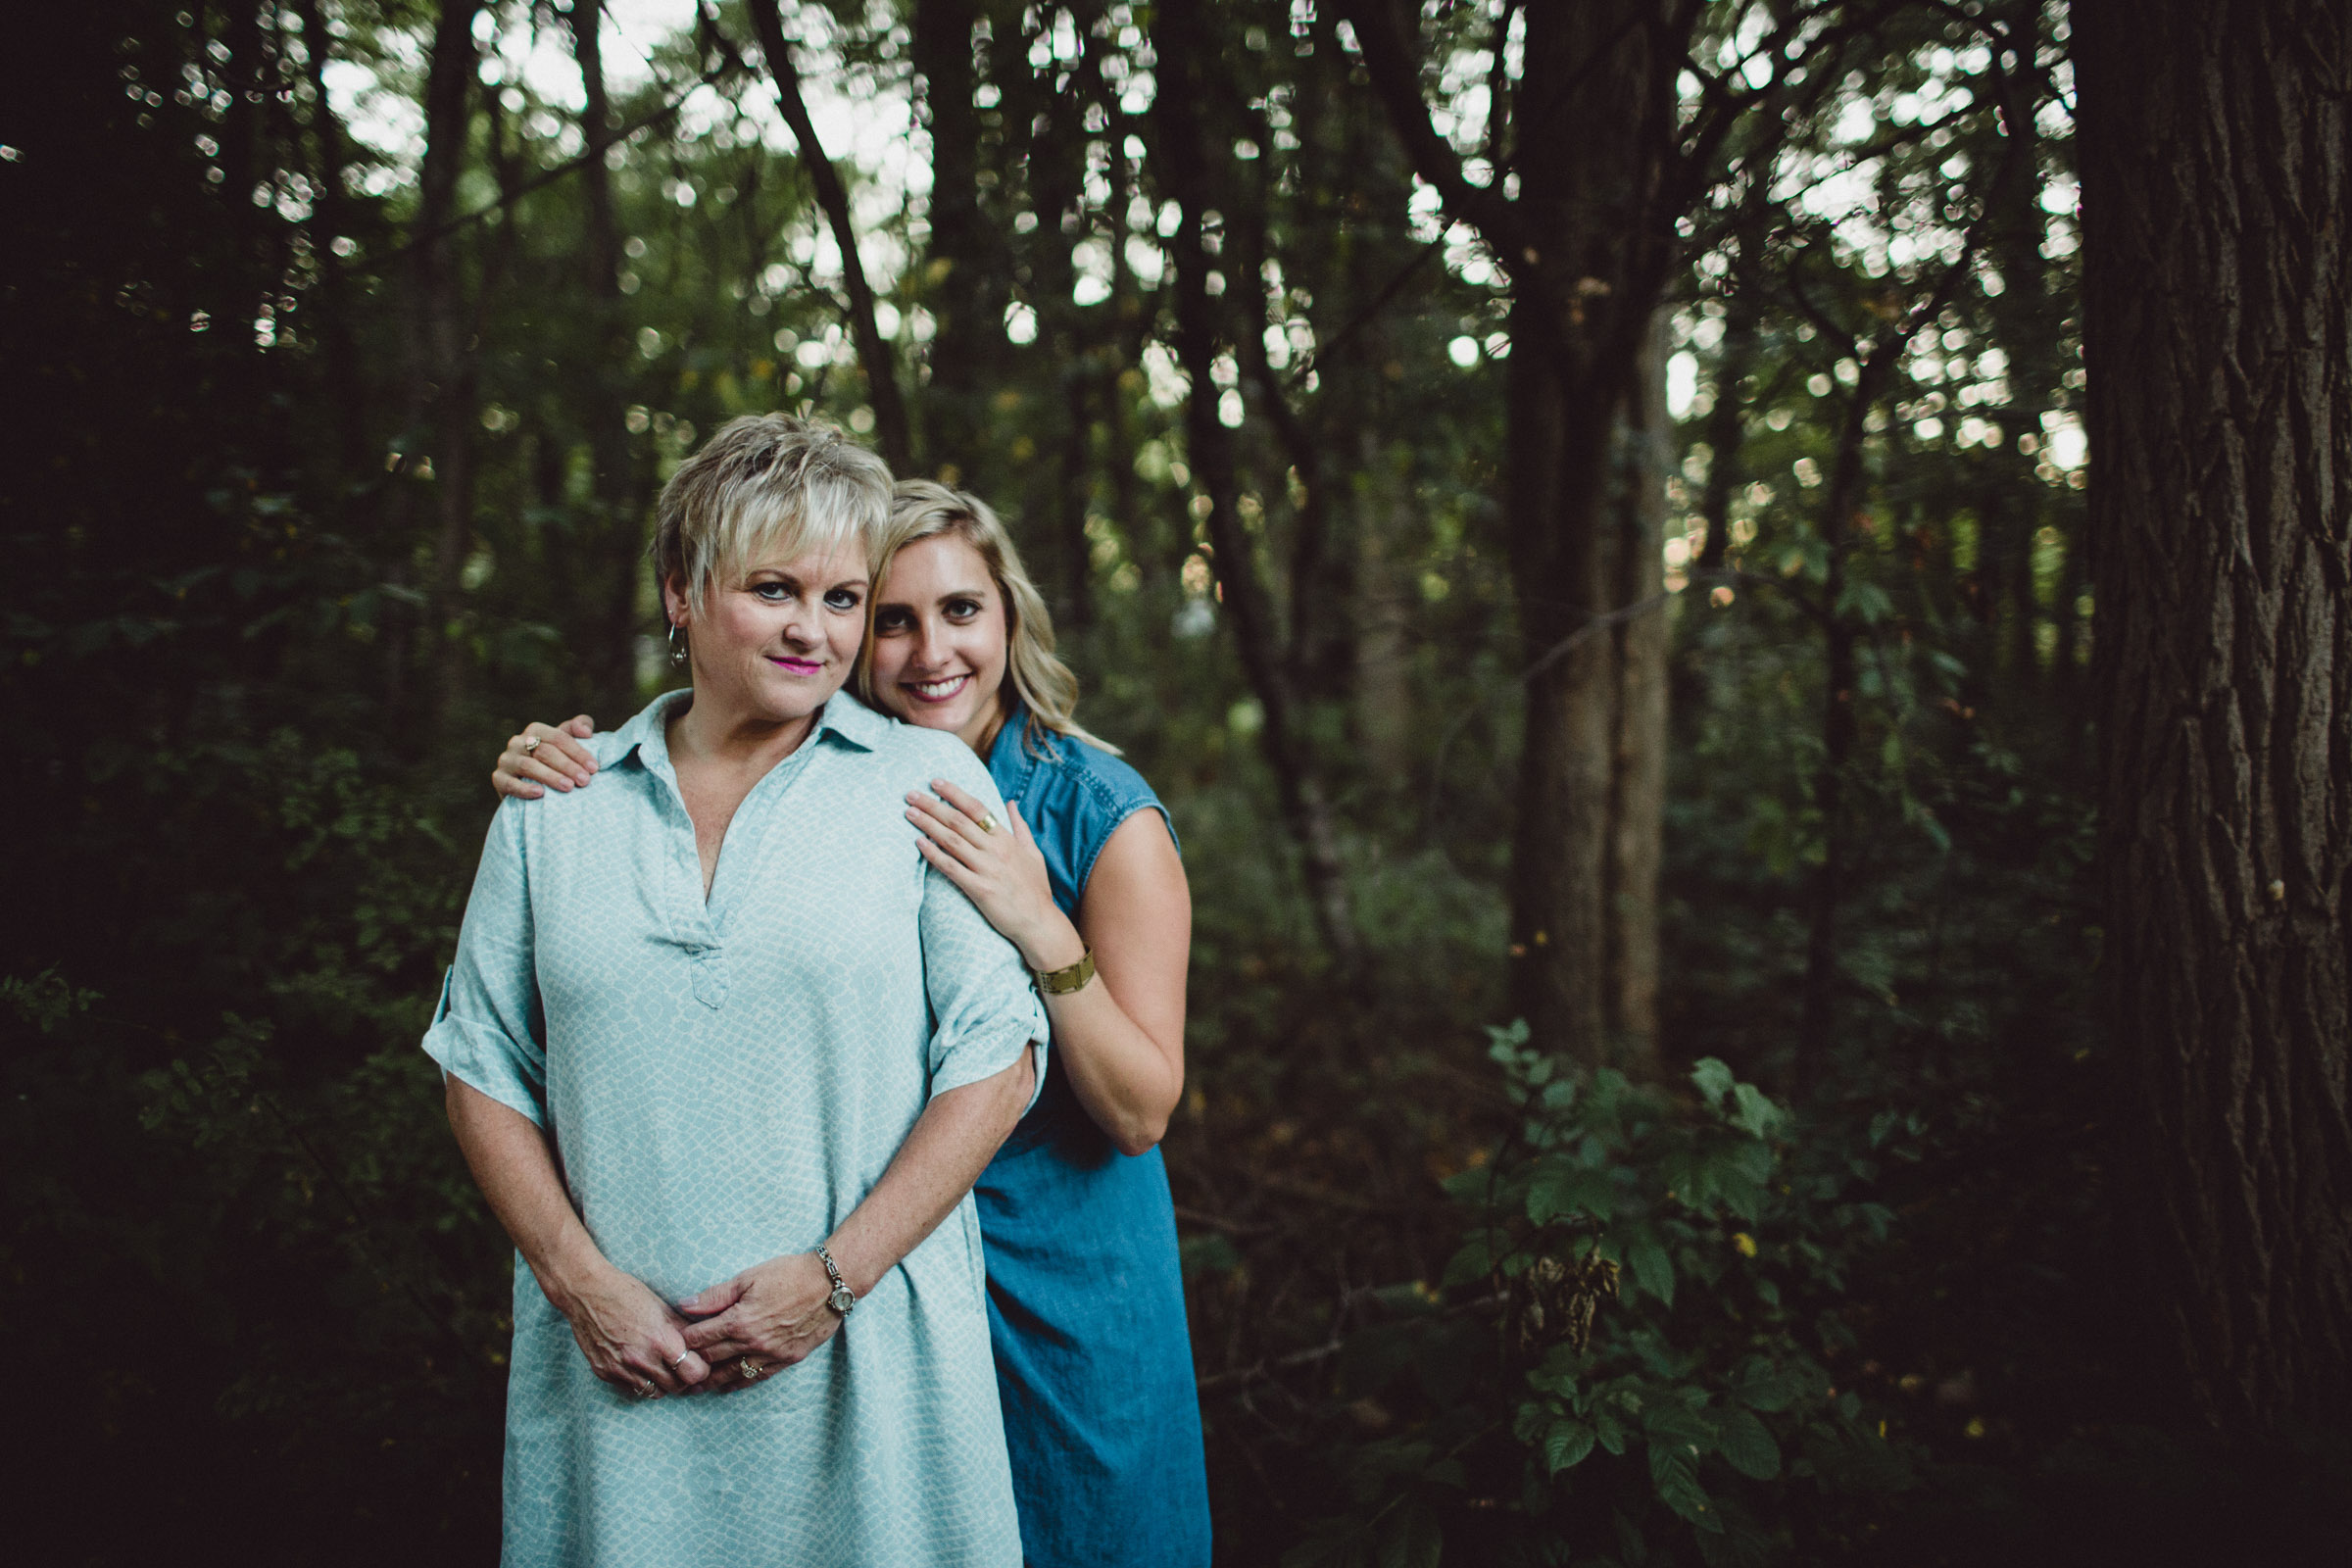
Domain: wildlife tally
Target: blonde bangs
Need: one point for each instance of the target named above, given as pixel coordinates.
(767, 486)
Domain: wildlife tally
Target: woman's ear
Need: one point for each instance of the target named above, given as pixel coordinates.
(674, 603)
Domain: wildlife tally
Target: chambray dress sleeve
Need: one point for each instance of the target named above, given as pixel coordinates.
(983, 1006)
(490, 1029)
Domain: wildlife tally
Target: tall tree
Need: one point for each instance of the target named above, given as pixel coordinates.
(616, 535)
(1587, 240)
(1184, 42)
(2215, 146)
(441, 356)
(874, 349)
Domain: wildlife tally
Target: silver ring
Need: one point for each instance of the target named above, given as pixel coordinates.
(682, 1356)
(530, 746)
(753, 1371)
(646, 1391)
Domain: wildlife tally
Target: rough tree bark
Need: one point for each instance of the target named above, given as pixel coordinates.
(2217, 206)
(1587, 242)
(874, 351)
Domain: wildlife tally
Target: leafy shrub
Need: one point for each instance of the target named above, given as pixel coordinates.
(1627, 1361)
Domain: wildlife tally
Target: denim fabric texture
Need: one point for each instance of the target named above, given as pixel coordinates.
(1085, 1295)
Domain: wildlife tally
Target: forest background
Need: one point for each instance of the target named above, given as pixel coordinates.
(1580, 511)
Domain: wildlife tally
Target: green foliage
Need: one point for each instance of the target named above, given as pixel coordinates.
(1694, 1410)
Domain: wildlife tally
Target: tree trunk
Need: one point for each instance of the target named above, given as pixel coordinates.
(2217, 202)
(1581, 321)
(1182, 36)
(442, 385)
(1637, 753)
(611, 547)
(874, 351)
(963, 289)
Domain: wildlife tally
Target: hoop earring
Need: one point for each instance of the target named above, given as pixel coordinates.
(677, 649)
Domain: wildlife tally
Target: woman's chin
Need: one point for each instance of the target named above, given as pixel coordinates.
(947, 717)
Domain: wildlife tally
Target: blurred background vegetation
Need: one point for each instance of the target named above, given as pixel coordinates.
(353, 339)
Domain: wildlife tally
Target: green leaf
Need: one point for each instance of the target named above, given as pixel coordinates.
(1567, 1443)
(1610, 1430)
(1675, 1475)
(1472, 1263)
(1771, 1388)
(1756, 1114)
(1714, 1080)
(1747, 1447)
(1652, 1269)
(1562, 1188)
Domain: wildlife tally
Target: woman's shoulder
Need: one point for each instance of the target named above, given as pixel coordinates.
(1087, 769)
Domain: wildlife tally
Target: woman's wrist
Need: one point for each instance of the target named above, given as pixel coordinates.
(1056, 945)
(569, 1270)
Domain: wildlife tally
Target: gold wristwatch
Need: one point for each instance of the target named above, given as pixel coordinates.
(1074, 977)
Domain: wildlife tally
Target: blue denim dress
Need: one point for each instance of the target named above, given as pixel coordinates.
(1085, 1295)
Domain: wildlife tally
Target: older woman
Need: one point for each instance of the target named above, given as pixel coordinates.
(1086, 1300)
(724, 1052)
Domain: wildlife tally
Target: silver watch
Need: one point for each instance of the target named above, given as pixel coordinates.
(843, 1297)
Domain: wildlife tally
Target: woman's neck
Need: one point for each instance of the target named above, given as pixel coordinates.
(981, 733)
(705, 730)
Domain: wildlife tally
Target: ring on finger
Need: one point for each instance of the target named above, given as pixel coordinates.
(646, 1391)
(681, 1356)
(988, 822)
(753, 1371)
(530, 746)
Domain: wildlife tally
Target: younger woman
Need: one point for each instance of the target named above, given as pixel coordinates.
(1086, 1302)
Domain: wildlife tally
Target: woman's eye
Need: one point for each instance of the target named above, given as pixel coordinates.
(774, 593)
(892, 619)
(962, 608)
(842, 599)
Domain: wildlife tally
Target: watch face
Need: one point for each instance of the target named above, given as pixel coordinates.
(842, 1299)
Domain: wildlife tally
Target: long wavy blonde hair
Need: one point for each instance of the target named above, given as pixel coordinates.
(924, 509)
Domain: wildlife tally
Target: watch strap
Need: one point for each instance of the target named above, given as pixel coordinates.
(1071, 977)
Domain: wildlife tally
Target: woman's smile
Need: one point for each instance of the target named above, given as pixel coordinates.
(940, 691)
(792, 664)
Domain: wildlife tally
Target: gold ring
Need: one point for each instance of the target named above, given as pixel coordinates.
(530, 746)
(988, 823)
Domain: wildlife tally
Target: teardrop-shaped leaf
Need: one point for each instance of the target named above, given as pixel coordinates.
(1566, 1444)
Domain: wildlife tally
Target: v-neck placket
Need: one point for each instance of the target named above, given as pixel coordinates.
(697, 920)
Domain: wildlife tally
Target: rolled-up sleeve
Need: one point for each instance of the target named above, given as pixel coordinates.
(489, 1029)
(983, 1007)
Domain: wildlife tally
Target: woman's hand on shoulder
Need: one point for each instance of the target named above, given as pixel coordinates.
(762, 1320)
(540, 758)
(998, 866)
(631, 1338)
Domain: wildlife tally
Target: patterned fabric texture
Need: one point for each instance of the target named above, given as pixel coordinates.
(1085, 1295)
(724, 1082)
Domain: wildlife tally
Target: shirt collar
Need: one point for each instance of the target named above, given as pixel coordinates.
(844, 718)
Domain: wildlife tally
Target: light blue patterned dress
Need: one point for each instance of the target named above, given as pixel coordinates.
(724, 1082)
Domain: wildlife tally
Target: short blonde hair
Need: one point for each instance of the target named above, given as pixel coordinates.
(767, 481)
(924, 509)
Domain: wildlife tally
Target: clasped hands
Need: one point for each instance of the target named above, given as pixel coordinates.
(728, 1337)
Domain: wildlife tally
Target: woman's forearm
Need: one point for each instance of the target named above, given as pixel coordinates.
(1120, 1074)
(952, 1143)
(516, 1172)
